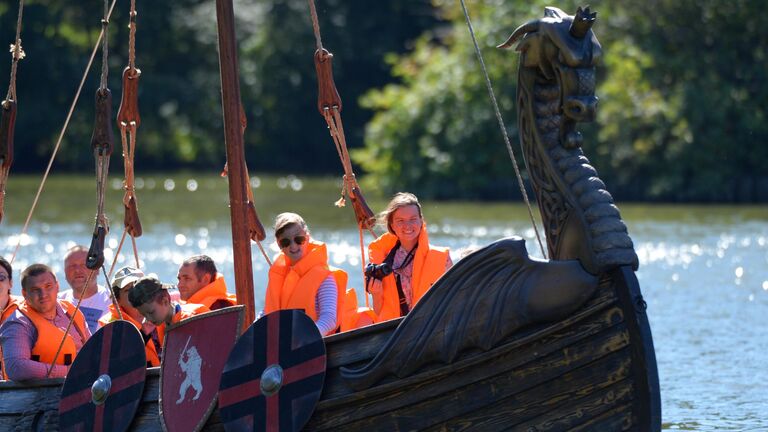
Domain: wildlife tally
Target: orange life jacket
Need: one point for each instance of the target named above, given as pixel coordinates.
(186, 310)
(153, 359)
(214, 292)
(354, 316)
(49, 336)
(295, 287)
(428, 265)
(13, 304)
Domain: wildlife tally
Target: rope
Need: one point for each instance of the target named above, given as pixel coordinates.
(17, 53)
(102, 171)
(111, 291)
(71, 319)
(4, 171)
(61, 137)
(315, 25)
(264, 253)
(503, 129)
(117, 253)
(362, 264)
(132, 37)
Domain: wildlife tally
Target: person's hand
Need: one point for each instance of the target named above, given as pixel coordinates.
(376, 288)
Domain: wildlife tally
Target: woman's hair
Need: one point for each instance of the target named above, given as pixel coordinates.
(399, 200)
(285, 220)
(7, 266)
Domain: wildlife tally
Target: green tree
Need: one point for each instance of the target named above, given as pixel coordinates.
(681, 114)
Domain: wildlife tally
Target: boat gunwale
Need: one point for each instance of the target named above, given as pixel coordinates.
(471, 360)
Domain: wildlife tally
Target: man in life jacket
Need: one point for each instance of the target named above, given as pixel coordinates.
(31, 336)
(200, 283)
(8, 303)
(150, 297)
(96, 298)
(153, 336)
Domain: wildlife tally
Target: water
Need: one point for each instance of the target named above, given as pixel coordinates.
(703, 270)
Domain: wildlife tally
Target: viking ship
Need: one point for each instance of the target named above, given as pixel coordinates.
(502, 341)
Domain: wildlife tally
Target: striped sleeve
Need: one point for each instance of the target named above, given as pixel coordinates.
(325, 304)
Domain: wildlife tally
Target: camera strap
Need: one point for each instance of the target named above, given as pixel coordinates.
(404, 309)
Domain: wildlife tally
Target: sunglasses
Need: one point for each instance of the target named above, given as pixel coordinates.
(285, 242)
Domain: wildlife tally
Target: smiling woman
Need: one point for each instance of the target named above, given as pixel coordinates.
(300, 277)
(403, 263)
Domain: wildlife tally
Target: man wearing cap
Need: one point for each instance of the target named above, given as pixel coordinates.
(96, 299)
(151, 298)
(200, 283)
(32, 336)
(153, 336)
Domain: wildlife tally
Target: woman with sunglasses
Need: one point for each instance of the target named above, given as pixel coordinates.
(403, 265)
(300, 277)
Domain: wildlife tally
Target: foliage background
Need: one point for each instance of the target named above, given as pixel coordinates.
(682, 92)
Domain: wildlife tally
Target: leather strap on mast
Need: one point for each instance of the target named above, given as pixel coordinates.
(255, 228)
(8, 113)
(329, 106)
(128, 121)
(102, 142)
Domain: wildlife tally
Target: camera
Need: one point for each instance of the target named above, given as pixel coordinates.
(378, 271)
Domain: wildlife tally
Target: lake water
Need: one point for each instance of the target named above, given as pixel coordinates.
(703, 270)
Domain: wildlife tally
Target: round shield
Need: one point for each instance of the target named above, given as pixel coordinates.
(105, 383)
(274, 374)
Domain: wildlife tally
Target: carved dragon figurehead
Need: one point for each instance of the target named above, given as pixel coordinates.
(556, 90)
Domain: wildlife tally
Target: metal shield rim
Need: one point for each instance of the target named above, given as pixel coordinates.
(137, 402)
(293, 313)
(240, 310)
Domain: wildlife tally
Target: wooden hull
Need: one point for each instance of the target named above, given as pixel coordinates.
(594, 370)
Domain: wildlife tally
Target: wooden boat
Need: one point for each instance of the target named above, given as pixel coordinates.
(502, 341)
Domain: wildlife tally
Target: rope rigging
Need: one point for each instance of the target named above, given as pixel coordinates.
(8, 112)
(61, 137)
(501, 126)
(329, 105)
(102, 142)
(128, 121)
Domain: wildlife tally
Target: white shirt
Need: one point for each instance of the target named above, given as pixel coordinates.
(93, 307)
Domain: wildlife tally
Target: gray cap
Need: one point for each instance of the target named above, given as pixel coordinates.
(125, 276)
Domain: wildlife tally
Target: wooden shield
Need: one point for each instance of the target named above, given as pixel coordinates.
(194, 354)
(105, 383)
(274, 374)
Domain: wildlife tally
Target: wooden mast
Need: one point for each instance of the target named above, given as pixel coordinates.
(233, 138)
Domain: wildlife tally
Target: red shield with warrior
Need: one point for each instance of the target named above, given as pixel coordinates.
(194, 354)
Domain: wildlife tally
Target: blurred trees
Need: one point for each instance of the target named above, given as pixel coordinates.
(681, 115)
(682, 112)
(179, 99)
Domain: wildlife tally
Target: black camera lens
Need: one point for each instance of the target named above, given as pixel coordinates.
(378, 271)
